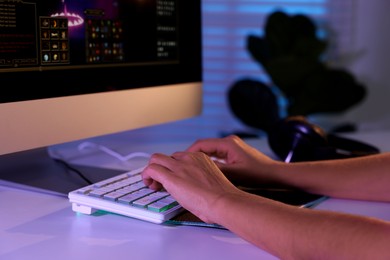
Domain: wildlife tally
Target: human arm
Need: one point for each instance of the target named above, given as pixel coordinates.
(286, 231)
(365, 178)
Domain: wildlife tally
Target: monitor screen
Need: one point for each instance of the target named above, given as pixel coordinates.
(74, 69)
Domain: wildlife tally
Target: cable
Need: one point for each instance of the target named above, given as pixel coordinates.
(69, 167)
(86, 145)
(111, 152)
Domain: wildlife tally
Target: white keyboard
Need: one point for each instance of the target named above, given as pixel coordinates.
(127, 195)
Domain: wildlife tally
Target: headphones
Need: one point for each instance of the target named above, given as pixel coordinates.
(294, 139)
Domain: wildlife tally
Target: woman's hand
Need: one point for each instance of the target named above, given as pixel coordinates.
(242, 164)
(192, 178)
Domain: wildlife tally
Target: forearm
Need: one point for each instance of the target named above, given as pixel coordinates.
(294, 233)
(365, 178)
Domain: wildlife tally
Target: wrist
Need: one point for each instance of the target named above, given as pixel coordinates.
(225, 205)
(279, 173)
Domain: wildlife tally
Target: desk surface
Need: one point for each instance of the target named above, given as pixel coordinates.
(41, 226)
(35, 225)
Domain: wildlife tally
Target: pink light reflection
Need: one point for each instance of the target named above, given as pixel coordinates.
(73, 18)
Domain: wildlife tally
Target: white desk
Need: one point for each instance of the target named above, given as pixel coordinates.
(35, 225)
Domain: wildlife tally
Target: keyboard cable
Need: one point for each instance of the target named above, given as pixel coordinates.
(105, 149)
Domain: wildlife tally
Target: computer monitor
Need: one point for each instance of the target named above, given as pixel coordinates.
(71, 69)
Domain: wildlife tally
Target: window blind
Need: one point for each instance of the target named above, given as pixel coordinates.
(226, 24)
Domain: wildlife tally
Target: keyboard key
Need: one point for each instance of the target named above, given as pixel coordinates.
(144, 201)
(129, 198)
(163, 204)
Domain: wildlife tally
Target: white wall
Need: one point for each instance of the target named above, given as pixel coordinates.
(370, 47)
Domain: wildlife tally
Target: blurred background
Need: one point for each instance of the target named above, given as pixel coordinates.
(358, 40)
